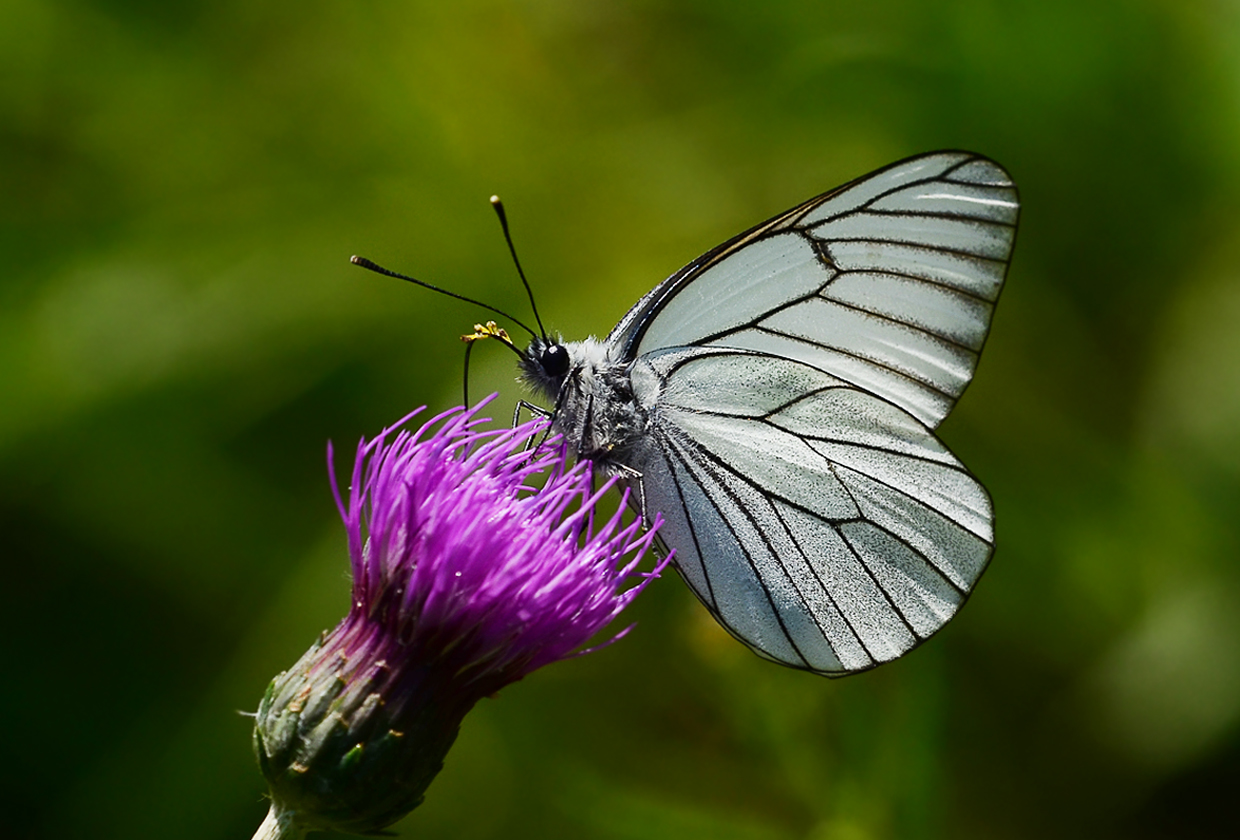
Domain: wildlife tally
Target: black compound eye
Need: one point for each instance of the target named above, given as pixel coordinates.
(554, 361)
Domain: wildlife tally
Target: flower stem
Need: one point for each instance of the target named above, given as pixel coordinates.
(279, 825)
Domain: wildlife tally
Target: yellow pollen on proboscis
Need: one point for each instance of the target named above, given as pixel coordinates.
(488, 330)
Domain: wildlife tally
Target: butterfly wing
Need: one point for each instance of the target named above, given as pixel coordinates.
(829, 530)
(888, 283)
(792, 378)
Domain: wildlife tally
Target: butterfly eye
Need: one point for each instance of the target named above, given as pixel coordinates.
(554, 361)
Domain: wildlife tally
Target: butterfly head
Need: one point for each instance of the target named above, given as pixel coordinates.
(553, 359)
(545, 364)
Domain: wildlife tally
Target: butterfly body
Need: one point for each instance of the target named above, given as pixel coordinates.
(596, 408)
(776, 401)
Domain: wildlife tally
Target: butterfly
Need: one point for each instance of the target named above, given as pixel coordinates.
(776, 400)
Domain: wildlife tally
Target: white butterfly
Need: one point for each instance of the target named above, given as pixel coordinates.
(776, 398)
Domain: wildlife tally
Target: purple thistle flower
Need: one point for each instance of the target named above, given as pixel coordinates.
(465, 579)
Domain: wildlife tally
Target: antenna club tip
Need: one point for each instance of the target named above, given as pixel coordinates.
(356, 260)
(495, 201)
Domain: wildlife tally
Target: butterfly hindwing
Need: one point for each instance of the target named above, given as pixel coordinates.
(825, 527)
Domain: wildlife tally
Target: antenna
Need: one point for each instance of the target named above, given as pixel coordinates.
(503, 221)
(378, 269)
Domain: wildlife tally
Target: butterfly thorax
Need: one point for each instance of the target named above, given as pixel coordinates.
(593, 398)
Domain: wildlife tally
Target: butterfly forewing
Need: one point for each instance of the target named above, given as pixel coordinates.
(888, 283)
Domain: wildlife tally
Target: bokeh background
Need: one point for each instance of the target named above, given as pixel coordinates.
(181, 185)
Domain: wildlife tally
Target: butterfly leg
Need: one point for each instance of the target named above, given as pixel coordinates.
(535, 411)
(633, 478)
(539, 411)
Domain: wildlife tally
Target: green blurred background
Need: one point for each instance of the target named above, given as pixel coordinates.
(181, 185)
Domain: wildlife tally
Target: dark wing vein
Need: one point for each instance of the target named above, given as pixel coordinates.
(896, 321)
(936, 283)
(852, 354)
(720, 466)
(942, 249)
(680, 495)
(683, 456)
